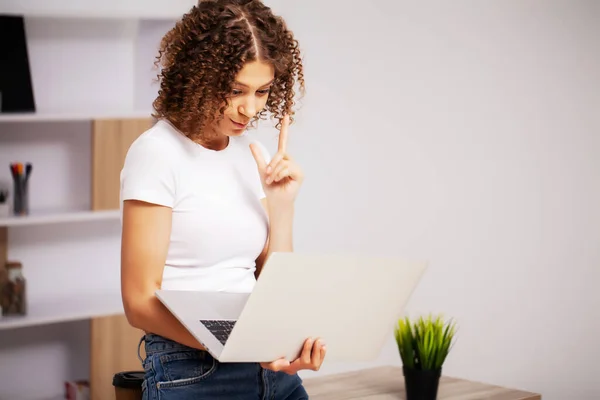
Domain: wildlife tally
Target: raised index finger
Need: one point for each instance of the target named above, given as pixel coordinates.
(283, 134)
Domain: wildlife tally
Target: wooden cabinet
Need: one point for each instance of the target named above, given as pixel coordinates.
(113, 342)
(113, 345)
(111, 139)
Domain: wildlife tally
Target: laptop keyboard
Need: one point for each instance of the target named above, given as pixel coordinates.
(220, 328)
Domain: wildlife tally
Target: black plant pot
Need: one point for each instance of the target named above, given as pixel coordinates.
(421, 385)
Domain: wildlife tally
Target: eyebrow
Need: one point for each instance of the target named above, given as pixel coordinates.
(244, 85)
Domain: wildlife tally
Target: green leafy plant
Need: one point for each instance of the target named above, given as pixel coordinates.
(424, 343)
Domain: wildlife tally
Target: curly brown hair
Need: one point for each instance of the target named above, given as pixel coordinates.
(202, 54)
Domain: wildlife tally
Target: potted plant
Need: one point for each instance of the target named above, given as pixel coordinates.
(424, 345)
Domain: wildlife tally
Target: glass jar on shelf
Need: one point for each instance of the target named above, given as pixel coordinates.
(13, 295)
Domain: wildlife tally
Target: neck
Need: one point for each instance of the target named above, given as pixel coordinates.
(212, 141)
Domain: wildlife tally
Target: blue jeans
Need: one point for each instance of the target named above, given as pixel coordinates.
(175, 371)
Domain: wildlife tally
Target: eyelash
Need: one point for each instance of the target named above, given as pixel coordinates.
(261, 92)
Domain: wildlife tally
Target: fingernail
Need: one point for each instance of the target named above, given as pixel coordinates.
(269, 169)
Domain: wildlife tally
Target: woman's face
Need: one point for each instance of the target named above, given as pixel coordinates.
(249, 96)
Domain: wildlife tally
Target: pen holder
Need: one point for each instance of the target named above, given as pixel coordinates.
(21, 173)
(21, 197)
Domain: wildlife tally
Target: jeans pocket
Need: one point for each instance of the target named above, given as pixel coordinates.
(185, 368)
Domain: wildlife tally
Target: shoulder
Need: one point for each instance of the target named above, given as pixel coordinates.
(159, 143)
(149, 172)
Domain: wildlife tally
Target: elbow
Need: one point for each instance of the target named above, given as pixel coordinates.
(135, 311)
(133, 318)
(133, 315)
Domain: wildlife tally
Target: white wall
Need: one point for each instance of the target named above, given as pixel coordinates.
(465, 133)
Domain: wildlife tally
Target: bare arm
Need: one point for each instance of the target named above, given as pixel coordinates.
(280, 232)
(281, 179)
(144, 245)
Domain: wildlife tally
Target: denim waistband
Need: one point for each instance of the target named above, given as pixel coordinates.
(159, 344)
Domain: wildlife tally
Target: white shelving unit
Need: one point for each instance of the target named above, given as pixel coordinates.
(113, 9)
(90, 61)
(70, 116)
(56, 217)
(55, 311)
(65, 310)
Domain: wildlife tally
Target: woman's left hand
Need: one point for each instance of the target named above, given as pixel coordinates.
(311, 358)
(282, 177)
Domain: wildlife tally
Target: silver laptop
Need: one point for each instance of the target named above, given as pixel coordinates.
(351, 302)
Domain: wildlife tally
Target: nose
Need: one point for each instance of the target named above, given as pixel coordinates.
(248, 107)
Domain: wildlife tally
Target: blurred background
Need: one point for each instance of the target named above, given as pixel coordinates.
(466, 133)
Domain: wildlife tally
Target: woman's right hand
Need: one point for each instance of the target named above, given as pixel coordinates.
(312, 356)
(282, 177)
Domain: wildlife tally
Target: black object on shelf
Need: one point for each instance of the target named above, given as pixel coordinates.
(3, 196)
(16, 88)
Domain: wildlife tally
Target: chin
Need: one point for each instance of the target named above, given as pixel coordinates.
(238, 132)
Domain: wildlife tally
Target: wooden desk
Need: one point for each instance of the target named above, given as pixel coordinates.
(387, 383)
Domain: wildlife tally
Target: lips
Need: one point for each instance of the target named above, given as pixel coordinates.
(238, 125)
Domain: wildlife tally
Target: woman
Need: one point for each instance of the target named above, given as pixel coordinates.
(204, 205)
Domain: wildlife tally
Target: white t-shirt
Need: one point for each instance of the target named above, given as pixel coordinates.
(219, 226)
